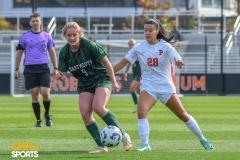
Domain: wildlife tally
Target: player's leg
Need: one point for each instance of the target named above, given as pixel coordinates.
(101, 97)
(100, 100)
(44, 82)
(146, 101)
(175, 105)
(85, 107)
(134, 89)
(31, 84)
(36, 105)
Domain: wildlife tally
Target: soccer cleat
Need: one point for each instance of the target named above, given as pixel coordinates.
(144, 147)
(48, 120)
(134, 109)
(206, 144)
(100, 149)
(126, 142)
(39, 123)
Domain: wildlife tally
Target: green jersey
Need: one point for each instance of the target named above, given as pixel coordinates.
(84, 64)
(136, 69)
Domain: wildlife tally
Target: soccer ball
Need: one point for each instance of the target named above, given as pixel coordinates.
(111, 136)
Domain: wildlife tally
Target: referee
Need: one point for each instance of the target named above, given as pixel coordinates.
(35, 44)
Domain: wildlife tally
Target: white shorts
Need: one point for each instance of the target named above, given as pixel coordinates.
(163, 97)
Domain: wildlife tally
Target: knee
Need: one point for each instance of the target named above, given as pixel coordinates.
(97, 109)
(35, 97)
(142, 114)
(46, 96)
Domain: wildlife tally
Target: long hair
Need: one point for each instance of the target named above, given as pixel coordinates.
(79, 29)
(162, 34)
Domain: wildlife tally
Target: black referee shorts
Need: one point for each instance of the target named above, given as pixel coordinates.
(33, 80)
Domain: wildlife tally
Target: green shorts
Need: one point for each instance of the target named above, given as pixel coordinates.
(93, 85)
(136, 77)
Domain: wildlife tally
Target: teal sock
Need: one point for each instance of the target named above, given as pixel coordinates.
(110, 119)
(94, 130)
(135, 97)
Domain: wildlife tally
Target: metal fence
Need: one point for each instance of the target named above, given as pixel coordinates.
(105, 22)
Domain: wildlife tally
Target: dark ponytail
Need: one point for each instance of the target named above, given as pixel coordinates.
(163, 34)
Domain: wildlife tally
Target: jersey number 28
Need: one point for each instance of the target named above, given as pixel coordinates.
(152, 62)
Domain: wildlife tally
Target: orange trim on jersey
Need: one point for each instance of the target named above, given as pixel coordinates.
(172, 73)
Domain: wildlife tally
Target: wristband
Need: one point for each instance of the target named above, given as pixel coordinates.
(16, 69)
(55, 68)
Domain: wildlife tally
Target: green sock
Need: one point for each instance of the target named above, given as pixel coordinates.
(135, 97)
(110, 119)
(94, 130)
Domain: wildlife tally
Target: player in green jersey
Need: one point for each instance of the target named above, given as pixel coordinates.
(87, 61)
(135, 85)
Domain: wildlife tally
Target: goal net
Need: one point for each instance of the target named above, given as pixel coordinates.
(116, 50)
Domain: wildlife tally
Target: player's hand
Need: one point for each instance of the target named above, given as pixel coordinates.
(17, 74)
(59, 76)
(115, 87)
(55, 71)
(125, 76)
(179, 63)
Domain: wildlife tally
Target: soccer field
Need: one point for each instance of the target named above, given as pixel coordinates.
(218, 117)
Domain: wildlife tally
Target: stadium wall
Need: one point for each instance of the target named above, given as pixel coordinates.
(209, 84)
(193, 84)
(70, 85)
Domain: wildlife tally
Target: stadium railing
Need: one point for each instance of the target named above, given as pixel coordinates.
(134, 20)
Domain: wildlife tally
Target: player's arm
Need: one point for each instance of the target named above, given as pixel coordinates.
(53, 57)
(62, 66)
(175, 57)
(131, 57)
(17, 63)
(111, 74)
(126, 71)
(120, 65)
(109, 68)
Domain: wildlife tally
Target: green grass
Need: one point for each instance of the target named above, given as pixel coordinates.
(218, 117)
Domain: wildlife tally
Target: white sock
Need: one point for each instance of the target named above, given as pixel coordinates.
(143, 128)
(193, 126)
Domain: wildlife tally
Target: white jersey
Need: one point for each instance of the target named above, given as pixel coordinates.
(156, 65)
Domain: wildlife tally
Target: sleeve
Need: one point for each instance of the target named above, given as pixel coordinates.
(50, 43)
(131, 56)
(173, 54)
(97, 51)
(19, 47)
(62, 62)
(21, 44)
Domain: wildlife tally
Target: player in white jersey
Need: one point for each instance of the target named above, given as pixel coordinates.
(156, 57)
